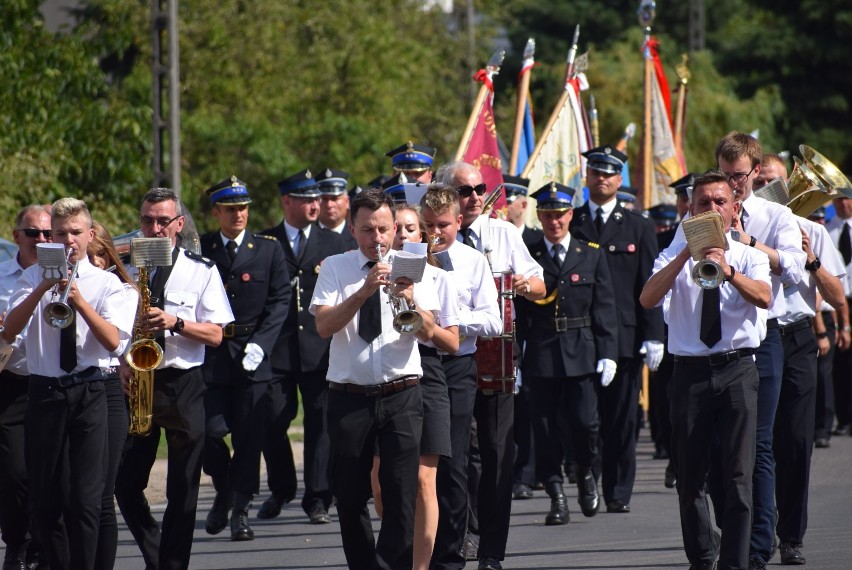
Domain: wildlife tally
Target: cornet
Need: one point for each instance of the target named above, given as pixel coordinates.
(59, 314)
(708, 274)
(405, 319)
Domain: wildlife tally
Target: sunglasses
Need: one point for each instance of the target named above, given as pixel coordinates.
(467, 190)
(34, 233)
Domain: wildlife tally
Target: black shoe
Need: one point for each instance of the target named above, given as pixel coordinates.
(841, 430)
(521, 491)
(587, 496)
(470, 550)
(703, 566)
(670, 480)
(660, 453)
(558, 511)
(822, 442)
(791, 554)
(617, 507)
(271, 507)
(318, 515)
(756, 564)
(490, 564)
(240, 529)
(14, 564)
(217, 518)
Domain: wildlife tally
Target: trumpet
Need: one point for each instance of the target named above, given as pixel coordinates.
(59, 314)
(405, 319)
(708, 274)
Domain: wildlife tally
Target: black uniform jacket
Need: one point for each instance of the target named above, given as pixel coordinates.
(300, 348)
(583, 308)
(258, 288)
(629, 244)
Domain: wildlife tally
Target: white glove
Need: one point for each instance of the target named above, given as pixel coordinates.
(253, 357)
(606, 368)
(653, 351)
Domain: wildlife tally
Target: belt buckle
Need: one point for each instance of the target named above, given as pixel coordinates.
(228, 330)
(561, 324)
(373, 390)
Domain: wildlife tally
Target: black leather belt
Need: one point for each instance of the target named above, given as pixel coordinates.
(771, 324)
(716, 359)
(397, 385)
(90, 374)
(233, 329)
(797, 326)
(431, 351)
(562, 324)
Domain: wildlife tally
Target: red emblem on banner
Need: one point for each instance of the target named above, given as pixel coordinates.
(246, 277)
(575, 278)
(631, 248)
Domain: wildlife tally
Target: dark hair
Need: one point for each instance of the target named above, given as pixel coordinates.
(372, 199)
(712, 176)
(155, 195)
(736, 144)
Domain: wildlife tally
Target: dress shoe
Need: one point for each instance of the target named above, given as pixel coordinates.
(587, 496)
(271, 507)
(791, 554)
(521, 491)
(14, 564)
(490, 564)
(319, 515)
(240, 529)
(660, 453)
(470, 550)
(217, 518)
(617, 507)
(841, 429)
(670, 480)
(756, 564)
(703, 566)
(822, 442)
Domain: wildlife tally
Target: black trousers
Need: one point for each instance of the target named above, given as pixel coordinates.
(453, 471)
(842, 386)
(660, 395)
(495, 414)
(720, 400)
(618, 408)
(357, 424)
(179, 410)
(14, 512)
(66, 422)
(524, 468)
(824, 419)
(794, 434)
(117, 423)
(276, 446)
(238, 408)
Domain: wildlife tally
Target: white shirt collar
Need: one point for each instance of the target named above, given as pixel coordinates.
(607, 208)
(239, 239)
(292, 231)
(566, 241)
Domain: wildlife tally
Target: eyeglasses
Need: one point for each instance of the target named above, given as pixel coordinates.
(467, 190)
(162, 222)
(34, 233)
(739, 177)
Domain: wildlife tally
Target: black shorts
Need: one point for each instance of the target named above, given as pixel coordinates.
(435, 439)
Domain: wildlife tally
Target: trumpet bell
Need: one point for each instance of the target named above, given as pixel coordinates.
(708, 274)
(58, 314)
(407, 322)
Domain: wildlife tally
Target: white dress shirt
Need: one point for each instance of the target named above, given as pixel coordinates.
(834, 228)
(352, 360)
(743, 324)
(801, 296)
(293, 236)
(606, 209)
(104, 292)
(238, 240)
(448, 298)
(338, 230)
(508, 251)
(566, 241)
(10, 272)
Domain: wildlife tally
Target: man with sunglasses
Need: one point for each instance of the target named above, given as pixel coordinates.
(32, 226)
(503, 246)
(187, 311)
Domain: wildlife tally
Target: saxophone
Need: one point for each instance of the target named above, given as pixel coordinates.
(143, 357)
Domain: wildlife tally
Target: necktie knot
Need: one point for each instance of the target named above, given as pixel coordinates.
(231, 246)
(467, 239)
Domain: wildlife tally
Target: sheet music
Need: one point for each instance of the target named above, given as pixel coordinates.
(408, 265)
(704, 231)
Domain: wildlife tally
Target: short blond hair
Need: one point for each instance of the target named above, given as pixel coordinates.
(441, 198)
(69, 208)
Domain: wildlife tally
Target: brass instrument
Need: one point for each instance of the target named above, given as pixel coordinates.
(144, 354)
(814, 182)
(405, 319)
(59, 314)
(707, 274)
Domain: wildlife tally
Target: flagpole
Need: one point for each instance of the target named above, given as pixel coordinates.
(594, 125)
(484, 75)
(680, 114)
(523, 91)
(646, 19)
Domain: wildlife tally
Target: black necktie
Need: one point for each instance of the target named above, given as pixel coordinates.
(370, 316)
(599, 221)
(299, 244)
(68, 346)
(845, 244)
(556, 250)
(158, 292)
(743, 218)
(231, 246)
(467, 240)
(711, 318)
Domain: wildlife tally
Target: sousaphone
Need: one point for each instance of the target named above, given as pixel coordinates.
(815, 182)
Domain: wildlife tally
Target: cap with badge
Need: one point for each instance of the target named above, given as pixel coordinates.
(395, 186)
(332, 182)
(231, 191)
(663, 214)
(515, 187)
(554, 197)
(412, 157)
(626, 194)
(299, 185)
(605, 159)
(682, 185)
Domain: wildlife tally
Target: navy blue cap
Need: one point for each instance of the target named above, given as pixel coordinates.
(378, 182)
(231, 191)
(818, 214)
(515, 186)
(680, 186)
(554, 197)
(412, 157)
(299, 185)
(395, 186)
(354, 191)
(663, 214)
(332, 182)
(626, 194)
(605, 159)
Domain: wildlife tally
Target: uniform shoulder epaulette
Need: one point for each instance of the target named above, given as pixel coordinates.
(264, 236)
(199, 258)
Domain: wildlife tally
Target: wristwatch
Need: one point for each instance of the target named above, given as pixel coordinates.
(730, 277)
(752, 242)
(179, 324)
(813, 265)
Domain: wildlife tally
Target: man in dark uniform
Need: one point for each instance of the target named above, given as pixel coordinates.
(237, 372)
(630, 247)
(334, 204)
(574, 338)
(413, 160)
(300, 358)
